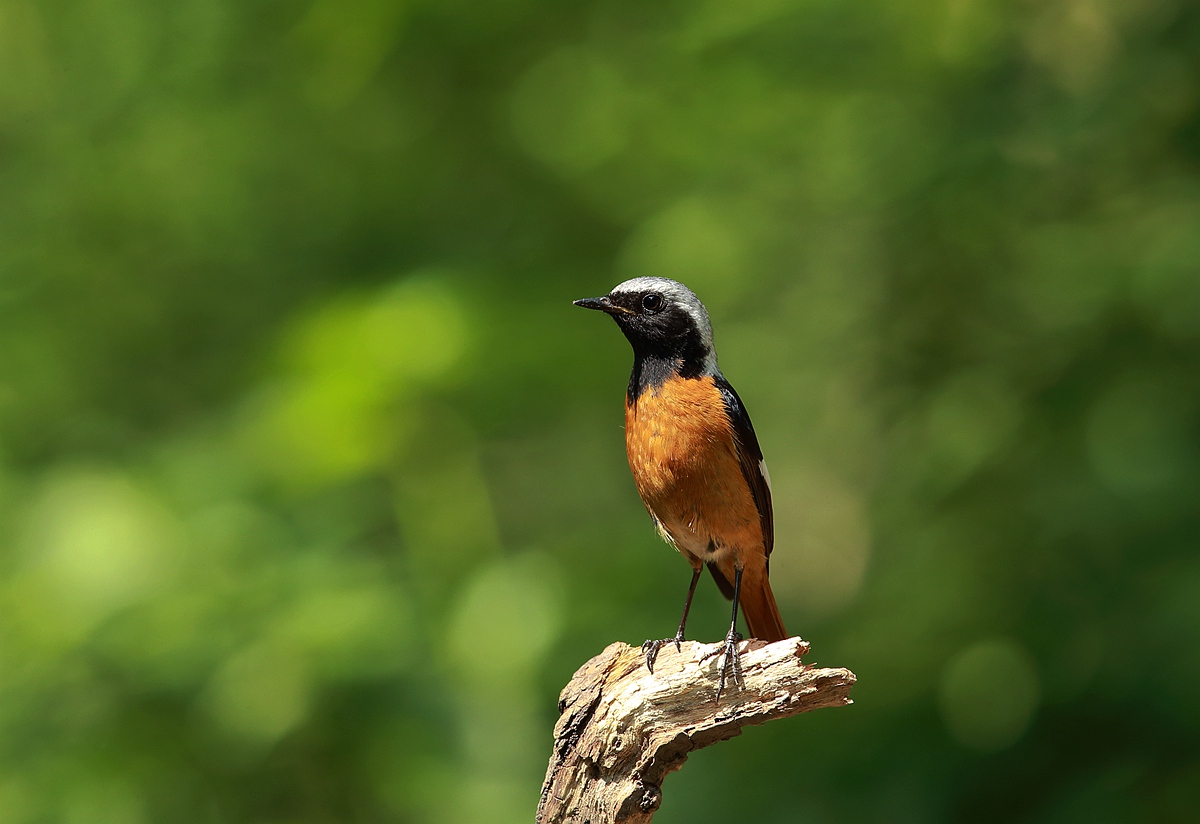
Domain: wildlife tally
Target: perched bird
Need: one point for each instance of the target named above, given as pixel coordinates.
(694, 456)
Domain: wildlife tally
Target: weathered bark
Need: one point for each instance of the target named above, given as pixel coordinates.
(622, 729)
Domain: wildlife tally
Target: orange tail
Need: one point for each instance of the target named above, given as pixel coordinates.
(758, 605)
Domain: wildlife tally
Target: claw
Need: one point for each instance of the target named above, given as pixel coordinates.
(651, 648)
(730, 657)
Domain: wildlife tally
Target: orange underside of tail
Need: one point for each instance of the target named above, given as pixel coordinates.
(758, 605)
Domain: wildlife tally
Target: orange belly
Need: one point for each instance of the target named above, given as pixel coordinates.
(684, 461)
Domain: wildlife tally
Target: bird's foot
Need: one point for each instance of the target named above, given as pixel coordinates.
(651, 648)
(728, 650)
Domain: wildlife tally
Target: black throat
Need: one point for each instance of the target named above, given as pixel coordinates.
(652, 371)
(665, 346)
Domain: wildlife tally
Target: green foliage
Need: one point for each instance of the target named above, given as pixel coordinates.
(312, 485)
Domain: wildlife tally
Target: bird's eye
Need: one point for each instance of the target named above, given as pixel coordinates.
(652, 302)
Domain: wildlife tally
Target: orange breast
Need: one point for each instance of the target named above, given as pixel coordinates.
(685, 465)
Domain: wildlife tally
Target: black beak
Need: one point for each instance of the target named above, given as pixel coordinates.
(603, 304)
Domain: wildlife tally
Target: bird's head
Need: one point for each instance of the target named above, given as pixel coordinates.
(662, 319)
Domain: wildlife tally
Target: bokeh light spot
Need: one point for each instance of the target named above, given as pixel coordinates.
(507, 616)
(824, 536)
(336, 412)
(1074, 39)
(99, 542)
(24, 61)
(16, 800)
(988, 694)
(260, 693)
(569, 110)
(111, 800)
(1138, 437)
(1165, 280)
(970, 417)
(349, 41)
(351, 631)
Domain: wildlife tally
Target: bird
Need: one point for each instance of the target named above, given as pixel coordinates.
(695, 457)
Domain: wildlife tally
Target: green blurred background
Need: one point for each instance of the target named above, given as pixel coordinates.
(312, 483)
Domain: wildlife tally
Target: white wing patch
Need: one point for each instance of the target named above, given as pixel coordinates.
(762, 467)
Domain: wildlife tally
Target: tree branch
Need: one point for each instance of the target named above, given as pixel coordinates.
(622, 729)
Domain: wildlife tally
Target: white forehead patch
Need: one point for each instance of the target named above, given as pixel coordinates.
(681, 296)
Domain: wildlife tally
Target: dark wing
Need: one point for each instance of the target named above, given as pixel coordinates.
(751, 458)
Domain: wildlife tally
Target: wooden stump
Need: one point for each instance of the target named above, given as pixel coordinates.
(622, 729)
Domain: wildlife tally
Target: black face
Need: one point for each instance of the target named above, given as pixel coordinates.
(656, 325)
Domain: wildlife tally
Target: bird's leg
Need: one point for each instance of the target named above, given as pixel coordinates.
(729, 649)
(650, 648)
